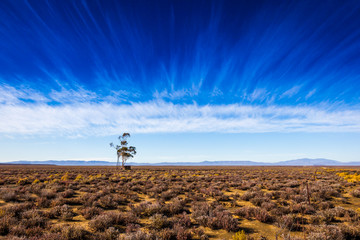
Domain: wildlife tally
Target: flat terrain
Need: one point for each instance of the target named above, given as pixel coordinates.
(57, 202)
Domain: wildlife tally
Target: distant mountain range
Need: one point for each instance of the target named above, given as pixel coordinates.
(296, 162)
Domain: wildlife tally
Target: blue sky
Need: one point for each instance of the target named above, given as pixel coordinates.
(190, 80)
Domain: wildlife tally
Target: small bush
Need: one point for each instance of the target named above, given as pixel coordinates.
(262, 215)
(325, 232)
(5, 224)
(247, 195)
(106, 202)
(239, 235)
(48, 193)
(33, 218)
(63, 212)
(181, 232)
(165, 234)
(68, 193)
(106, 220)
(290, 222)
(90, 212)
(10, 196)
(101, 222)
(356, 193)
(71, 232)
(43, 202)
(159, 221)
(139, 235)
(18, 230)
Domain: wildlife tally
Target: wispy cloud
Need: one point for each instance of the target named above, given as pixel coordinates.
(291, 92)
(11, 95)
(269, 53)
(82, 119)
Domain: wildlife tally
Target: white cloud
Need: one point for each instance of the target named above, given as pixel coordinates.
(70, 95)
(11, 95)
(291, 92)
(310, 94)
(103, 119)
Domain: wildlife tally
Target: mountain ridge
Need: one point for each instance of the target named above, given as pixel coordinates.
(294, 162)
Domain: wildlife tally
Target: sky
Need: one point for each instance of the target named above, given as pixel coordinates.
(189, 80)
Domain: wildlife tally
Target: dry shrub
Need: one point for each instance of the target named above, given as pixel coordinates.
(33, 218)
(109, 234)
(183, 220)
(159, 221)
(48, 193)
(9, 196)
(18, 230)
(43, 202)
(165, 234)
(132, 227)
(257, 201)
(268, 205)
(290, 222)
(327, 216)
(68, 193)
(101, 222)
(5, 223)
(356, 193)
(106, 220)
(106, 202)
(255, 212)
(214, 217)
(280, 211)
(139, 235)
(89, 199)
(325, 205)
(57, 202)
(181, 232)
(262, 215)
(175, 207)
(63, 212)
(71, 232)
(154, 208)
(247, 195)
(34, 232)
(166, 196)
(16, 210)
(200, 233)
(350, 231)
(325, 232)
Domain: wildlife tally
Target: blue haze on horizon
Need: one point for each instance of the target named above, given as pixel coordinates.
(203, 77)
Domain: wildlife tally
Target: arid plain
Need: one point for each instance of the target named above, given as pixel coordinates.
(57, 202)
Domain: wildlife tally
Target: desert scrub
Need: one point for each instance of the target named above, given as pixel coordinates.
(350, 177)
(90, 212)
(63, 212)
(9, 196)
(254, 213)
(33, 218)
(215, 217)
(70, 232)
(159, 221)
(112, 219)
(239, 235)
(68, 193)
(356, 193)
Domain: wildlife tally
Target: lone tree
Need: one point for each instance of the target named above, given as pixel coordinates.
(123, 150)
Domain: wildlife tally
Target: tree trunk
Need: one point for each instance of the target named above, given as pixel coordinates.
(117, 162)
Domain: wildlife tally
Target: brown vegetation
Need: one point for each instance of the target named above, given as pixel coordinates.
(50, 202)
